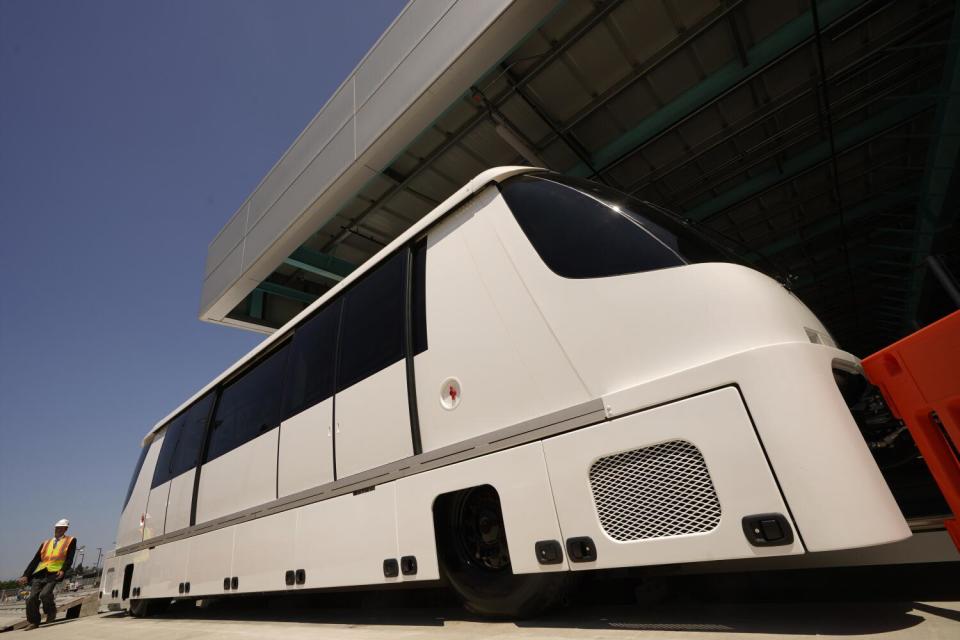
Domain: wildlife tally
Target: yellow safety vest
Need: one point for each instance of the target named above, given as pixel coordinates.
(53, 554)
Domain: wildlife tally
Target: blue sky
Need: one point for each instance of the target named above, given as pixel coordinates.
(129, 132)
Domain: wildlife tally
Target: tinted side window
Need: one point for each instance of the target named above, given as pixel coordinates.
(248, 406)
(372, 335)
(310, 367)
(579, 236)
(136, 474)
(194, 428)
(164, 468)
(182, 441)
(419, 311)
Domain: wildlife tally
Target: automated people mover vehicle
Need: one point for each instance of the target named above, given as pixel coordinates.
(542, 376)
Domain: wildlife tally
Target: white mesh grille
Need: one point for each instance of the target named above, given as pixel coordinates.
(654, 492)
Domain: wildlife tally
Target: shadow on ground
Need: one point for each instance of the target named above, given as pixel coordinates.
(820, 602)
(787, 619)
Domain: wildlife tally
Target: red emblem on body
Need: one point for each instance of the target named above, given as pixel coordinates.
(453, 393)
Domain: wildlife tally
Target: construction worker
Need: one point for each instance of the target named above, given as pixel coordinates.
(47, 569)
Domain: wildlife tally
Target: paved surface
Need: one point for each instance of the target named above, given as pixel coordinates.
(895, 620)
(919, 602)
(13, 611)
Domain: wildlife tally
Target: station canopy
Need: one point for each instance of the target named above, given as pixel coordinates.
(822, 137)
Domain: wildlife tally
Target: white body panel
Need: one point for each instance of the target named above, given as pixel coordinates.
(485, 331)
(210, 561)
(306, 449)
(344, 541)
(168, 568)
(180, 501)
(130, 529)
(263, 552)
(626, 330)
(141, 572)
(823, 466)
(700, 316)
(108, 582)
(718, 425)
(520, 477)
(155, 514)
(168, 508)
(373, 421)
(242, 478)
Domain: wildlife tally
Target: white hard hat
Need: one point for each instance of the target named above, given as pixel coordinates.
(62, 522)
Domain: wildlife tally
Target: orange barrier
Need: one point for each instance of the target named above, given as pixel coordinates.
(919, 377)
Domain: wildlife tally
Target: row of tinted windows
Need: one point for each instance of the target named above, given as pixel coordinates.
(368, 326)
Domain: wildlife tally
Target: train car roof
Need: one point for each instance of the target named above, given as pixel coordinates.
(461, 195)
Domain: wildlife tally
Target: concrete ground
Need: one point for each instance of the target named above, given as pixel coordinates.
(922, 602)
(13, 611)
(920, 620)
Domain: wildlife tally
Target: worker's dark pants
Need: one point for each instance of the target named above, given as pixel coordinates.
(41, 590)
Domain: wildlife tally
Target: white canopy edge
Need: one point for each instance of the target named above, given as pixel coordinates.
(425, 59)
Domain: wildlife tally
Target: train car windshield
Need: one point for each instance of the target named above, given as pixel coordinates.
(585, 230)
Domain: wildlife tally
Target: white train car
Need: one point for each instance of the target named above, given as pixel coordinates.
(542, 376)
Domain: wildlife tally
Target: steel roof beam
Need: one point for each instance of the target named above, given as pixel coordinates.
(255, 305)
(863, 210)
(945, 278)
(941, 183)
(286, 292)
(862, 64)
(321, 264)
(452, 139)
(542, 113)
(772, 110)
(816, 155)
(799, 207)
(794, 35)
(682, 40)
(817, 279)
(740, 164)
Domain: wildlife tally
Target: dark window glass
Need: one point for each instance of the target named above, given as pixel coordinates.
(584, 230)
(310, 367)
(171, 436)
(136, 474)
(419, 311)
(192, 433)
(371, 338)
(695, 243)
(182, 441)
(248, 406)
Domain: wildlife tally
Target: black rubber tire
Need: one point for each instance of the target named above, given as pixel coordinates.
(487, 586)
(144, 608)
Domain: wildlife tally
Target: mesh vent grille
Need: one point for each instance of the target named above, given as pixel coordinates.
(654, 492)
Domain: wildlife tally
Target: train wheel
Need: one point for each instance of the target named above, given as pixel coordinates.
(472, 545)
